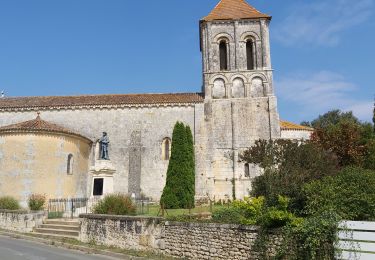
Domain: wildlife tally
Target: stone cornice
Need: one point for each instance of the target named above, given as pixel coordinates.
(99, 107)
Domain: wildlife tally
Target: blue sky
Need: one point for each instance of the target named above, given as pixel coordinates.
(322, 50)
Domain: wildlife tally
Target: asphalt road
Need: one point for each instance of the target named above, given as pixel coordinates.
(17, 249)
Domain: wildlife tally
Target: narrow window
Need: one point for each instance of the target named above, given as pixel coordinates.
(166, 146)
(250, 55)
(247, 170)
(69, 167)
(223, 55)
(98, 187)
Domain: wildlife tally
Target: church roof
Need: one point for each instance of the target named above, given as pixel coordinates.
(291, 126)
(38, 125)
(234, 10)
(98, 100)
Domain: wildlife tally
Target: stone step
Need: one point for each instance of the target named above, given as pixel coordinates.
(53, 236)
(61, 222)
(57, 232)
(62, 227)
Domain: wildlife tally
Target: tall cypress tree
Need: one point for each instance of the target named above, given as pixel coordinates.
(179, 189)
(373, 116)
(191, 172)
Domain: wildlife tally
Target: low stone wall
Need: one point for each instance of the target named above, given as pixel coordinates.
(214, 241)
(183, 240)
(138, 233)
(21, 221)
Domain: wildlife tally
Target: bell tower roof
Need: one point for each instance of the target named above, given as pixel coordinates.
(234, 10)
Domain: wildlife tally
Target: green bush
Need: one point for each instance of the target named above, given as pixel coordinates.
(254, 211)
(36, 201)
(115, 204)
(9, 203)
(277, 216)
(287, 165)
(179, 190)
(311, 238)
(230, 215)
(351, 194)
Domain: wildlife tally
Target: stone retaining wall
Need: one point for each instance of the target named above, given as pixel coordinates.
(214, 241)
(138, 233)
(183, 240)
(21, 221)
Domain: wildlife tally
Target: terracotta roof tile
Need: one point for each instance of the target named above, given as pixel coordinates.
(291, 126)
(99, 100)
(233, 10)
(38, 125)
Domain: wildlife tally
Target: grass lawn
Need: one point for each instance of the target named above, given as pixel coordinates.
(155, 209)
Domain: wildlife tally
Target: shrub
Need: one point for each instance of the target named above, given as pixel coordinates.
(312, 238)
(115, 204)
(287, 165)
(254, 211)
(9, 203)
(36, 201)
(179, 189)
(251, 208)
(278, 216)
(351, 194)
(230, 215)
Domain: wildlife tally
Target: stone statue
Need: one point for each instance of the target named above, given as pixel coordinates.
(104, 143)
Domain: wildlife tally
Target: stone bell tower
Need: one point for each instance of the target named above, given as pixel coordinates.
(240, 104)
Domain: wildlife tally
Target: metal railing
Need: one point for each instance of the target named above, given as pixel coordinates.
(73, 207)
(143, 206)
(70, 207)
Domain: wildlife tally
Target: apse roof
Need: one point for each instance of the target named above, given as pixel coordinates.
(38, 125)
(234, 10)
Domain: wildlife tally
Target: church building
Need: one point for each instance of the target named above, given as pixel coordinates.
(50, 144)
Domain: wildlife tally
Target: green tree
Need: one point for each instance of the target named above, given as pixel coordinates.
(332, 118)
(180, 186)
(343, 139)
(191, 172)
(352, 141)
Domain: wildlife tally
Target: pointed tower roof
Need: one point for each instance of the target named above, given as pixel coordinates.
(233, 10)
(39, 125)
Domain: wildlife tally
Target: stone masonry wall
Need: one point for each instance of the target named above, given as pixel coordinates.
(214, 241)
(181, 240)
(139, 165)
(20, 221)
(136, 233)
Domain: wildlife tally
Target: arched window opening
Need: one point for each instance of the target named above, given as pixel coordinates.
(69, 168)
(223, 55)
(166, 146)
(247, 170)
(250, 55)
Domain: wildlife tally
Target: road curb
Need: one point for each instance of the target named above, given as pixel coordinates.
(57, 243)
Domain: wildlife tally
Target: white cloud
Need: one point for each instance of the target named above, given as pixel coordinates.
(317, 93)
(321, 22)
(362, 110)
